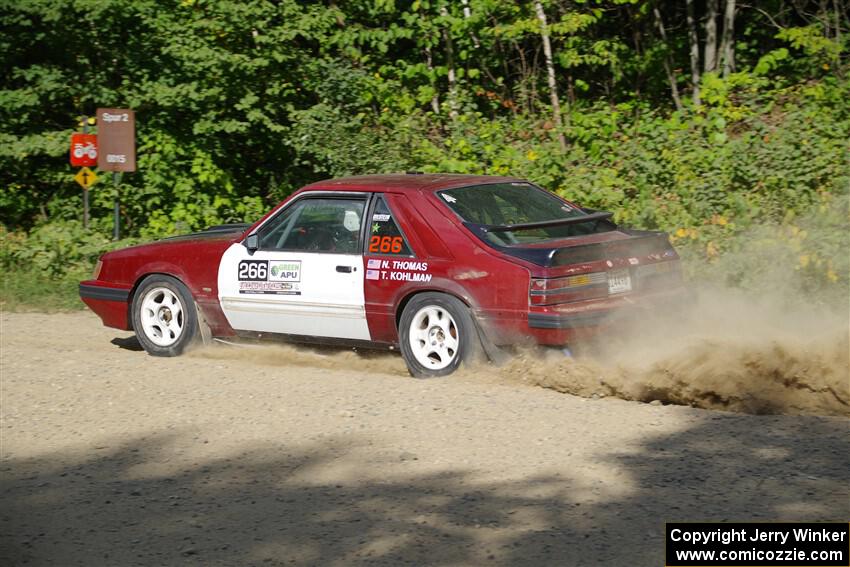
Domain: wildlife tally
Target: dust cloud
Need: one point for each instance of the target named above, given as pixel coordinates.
(311, 356)
(729, 350)
(760, 339)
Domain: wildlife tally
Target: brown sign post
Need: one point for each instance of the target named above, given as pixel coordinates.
(116, 137)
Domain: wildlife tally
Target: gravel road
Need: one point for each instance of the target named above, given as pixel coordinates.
(277, 456)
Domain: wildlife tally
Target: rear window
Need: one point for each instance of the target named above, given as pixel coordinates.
(516, 203)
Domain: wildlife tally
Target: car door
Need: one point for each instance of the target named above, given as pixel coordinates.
(305, 276)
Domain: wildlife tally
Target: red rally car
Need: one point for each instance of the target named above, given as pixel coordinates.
(443, 267)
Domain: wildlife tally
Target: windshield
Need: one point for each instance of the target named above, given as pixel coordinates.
(517, 203)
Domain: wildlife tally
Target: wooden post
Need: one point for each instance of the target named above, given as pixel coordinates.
(116, 218)
(85, 189)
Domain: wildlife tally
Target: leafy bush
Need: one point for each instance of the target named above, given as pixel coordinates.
(742, 187)
(44, 267)
(240, 103)
(54, 248)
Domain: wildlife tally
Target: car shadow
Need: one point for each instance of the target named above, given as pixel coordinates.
(334, 501)
(127, 343)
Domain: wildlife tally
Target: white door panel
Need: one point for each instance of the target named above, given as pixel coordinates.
(297, 293)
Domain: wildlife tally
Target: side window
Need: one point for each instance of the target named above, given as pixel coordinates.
(384, 234)
(316, 225)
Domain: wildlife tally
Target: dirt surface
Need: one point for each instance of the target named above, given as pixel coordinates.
(278, 456)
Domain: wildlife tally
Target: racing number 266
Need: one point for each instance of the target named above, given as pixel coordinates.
(385, 244)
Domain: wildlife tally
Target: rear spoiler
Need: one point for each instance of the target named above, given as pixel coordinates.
(638, 243)
(592, 217)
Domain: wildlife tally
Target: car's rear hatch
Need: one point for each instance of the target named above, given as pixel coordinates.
(620, 243)
(615, 262)
(573, 254)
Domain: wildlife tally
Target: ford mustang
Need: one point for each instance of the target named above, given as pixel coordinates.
(443, 267)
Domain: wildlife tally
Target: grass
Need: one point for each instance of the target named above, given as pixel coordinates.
(30, 290)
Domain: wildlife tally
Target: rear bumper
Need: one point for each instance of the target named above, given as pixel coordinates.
(577, 321)
(562, 324)
(609, 311)
(110, 303)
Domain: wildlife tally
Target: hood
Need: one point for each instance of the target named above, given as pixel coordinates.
(217, 231)
(224, 233)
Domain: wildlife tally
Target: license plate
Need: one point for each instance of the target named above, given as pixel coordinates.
(619, 281)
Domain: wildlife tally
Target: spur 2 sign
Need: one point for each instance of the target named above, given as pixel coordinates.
(116, 133)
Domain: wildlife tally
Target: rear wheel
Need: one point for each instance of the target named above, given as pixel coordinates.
(164, 316)
(437, 335)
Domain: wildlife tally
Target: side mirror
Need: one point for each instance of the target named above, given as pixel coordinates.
(252, 243)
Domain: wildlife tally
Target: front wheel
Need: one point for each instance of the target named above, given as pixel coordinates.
(164, 316)
(437, 334)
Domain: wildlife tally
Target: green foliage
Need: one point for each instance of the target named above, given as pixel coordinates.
(54, 248)
(240, 103)
(45, 266)
(804, 255)
(812, 41)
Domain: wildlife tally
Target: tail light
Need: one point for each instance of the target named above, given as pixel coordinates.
(546, 291)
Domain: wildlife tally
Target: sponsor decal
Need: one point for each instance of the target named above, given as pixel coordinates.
(375, 227)
(380, 217)
(285, 271)
(253, 270)
(386, 244)
(634, 261)
(277, 288)
(449, 198)
(275, 277)
(397, 270)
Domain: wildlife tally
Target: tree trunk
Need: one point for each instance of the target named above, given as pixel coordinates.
(435, 100)
(550, 73)
(710, 52)
(827, 21)
(451, 99)
(727, 50)
(638, 47)
(693, 41)
(467, 13)
(668, 63)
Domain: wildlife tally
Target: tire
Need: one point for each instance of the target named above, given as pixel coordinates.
(437, 335)
(164, 316)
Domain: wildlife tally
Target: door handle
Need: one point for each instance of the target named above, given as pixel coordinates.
(345, 269)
